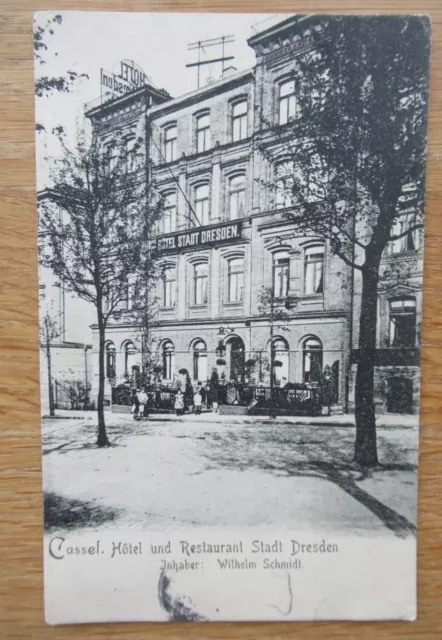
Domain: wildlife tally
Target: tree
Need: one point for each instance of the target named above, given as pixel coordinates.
(351, 164)
(46, 84)
(49, 333)
(272, 308)
(100, 242)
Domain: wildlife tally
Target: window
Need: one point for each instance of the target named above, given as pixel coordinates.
(239, 121)
(314, 270)
(203, 133)
(169, 215)
(281, 361)
(284, 184)
(200, 277)
(281, 268)
(130, 152)
(110, 360)
(237, 197)
(168, 353)
(170, 143)
(411, 238)
(236, 279)
(129, 358)
(403, 322)
(200, 361)
(202, 204)
(312, 360)
(169, 287)
(287, 102)
(125, 299)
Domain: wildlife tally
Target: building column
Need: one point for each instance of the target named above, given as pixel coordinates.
(181, 202)
(215, 213)
(181, 270)
(295, 284)
(214, 284)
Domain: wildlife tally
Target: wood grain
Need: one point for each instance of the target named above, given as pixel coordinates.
(21, 582)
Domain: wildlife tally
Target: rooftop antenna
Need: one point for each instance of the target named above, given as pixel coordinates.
(211, 42)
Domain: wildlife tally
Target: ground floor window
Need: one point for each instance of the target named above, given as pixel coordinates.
(403, 322)
(129, 358)
(200, 361)
(281, 361)
(168, 353)
(312, 360)
(110, 360)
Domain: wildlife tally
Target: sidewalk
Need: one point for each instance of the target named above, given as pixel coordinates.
(388, 420)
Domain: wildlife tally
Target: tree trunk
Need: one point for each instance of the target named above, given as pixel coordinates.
(365, 446)
(102, 440)
(50, 387)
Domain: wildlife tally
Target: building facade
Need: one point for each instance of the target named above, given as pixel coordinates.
(235, 273)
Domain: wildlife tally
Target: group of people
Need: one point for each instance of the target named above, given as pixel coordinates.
(195, 401)
(189, 400)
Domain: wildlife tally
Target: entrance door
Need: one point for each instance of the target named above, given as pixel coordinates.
(400, 395)
(237, 359)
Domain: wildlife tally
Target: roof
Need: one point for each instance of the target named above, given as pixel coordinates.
(202, 91)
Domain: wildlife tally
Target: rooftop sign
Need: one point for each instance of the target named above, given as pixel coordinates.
(128, 76)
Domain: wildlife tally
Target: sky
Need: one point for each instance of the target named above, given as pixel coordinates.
(88, 41)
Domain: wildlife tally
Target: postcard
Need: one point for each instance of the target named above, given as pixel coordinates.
(231, 223)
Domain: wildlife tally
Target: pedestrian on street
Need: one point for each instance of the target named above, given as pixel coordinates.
(142, 399)
(208, 394)
(214, 399)
(197, 402)
(179, 403)
(136, 405)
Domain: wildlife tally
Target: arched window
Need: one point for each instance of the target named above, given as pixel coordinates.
(239, 120)
(281, 361)
(168, 354)
(287, 102)
(237, 192)
(169, 213)
(403, 322)
(202, 204)
(170, 143)
(203, 132)
(314, 270)
(200, 361)
(130, 354)
(235, 279)
(200, 283)
(281, 274)
(110, 360)
(169, 287)
(312, 360)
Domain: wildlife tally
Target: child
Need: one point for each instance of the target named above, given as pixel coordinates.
(142, 399)
(179, 403)
(197, 402)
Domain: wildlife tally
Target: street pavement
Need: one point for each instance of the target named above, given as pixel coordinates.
(226, 471)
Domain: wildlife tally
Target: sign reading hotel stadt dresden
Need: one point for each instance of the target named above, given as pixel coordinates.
(235, 455)
(198, 237)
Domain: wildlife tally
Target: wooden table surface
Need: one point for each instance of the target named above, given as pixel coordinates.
(21, 578)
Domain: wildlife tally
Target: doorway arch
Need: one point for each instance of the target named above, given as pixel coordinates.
(235, 358)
